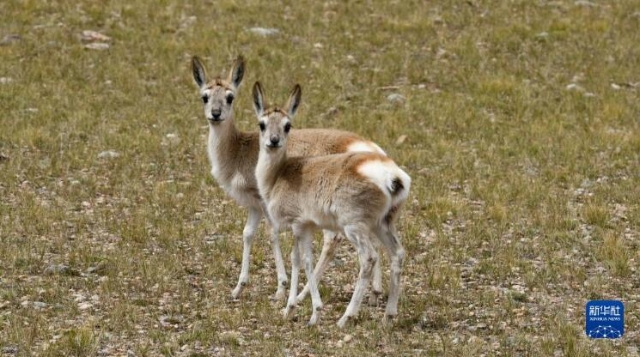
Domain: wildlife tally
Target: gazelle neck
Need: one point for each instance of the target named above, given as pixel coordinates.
(270, 163)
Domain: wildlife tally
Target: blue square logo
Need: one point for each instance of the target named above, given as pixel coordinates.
(605, 319)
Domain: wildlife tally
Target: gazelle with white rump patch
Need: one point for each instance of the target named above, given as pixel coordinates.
(359, 194)
(233, 155)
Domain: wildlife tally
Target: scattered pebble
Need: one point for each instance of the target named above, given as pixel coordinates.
(401, 140)
(57, 269)
(94, 36)
(108, 154)
(100, 268)
(213, 238)
(10, 350)
(100, 46)
(263, 31)
(39, 305)
(171, 139)
(585, 3)
(575, 87)
(543, 34)
(10, 39)
(84, 306)
(396, 98)
(6, 80)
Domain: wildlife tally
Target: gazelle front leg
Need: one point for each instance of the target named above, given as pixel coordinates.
(306, 240)
(249, 232)
(295, 270)
(329, 244)
(280, 269)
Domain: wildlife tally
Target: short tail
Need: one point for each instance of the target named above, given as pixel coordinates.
(399, 184)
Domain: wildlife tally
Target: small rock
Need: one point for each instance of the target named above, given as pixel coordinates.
(347, 338)
(10, 39)
(6, 80)
(56, 269)
(575, 87)
(84, 306)
(263, 31)
(331, 112)
(169, 321)
(108, 154)
(100, 46)
(94, 36)
(396, 98)
(401, 140)
(171, 139)
(39, 305)
(543, 34)
(210, 239)
(9, 350)
(98, 269)
(318, 45)
(585, 3)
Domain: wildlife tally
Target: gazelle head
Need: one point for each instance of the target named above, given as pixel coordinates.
(218, 95)
(275, 123)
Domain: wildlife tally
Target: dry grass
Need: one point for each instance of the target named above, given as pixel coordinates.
(523, 142)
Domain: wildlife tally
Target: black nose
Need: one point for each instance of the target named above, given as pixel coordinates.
(275, 141)
(215, 113)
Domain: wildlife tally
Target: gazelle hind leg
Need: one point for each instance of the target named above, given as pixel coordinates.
(248, 233)
(389, 238)
(376, 284)
(329, 244)
(367, 256)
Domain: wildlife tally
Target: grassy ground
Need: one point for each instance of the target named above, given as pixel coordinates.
(522, 139)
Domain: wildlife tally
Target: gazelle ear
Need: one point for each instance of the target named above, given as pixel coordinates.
(258, 103)
(235, 77)
(199, 74)
(294, 101)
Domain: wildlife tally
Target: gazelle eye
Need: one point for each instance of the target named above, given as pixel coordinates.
(205, 99)
(287, 127)
(230, 99)
(262, 126)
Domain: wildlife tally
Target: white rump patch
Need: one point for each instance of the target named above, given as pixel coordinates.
(383, 174)
(365, 146)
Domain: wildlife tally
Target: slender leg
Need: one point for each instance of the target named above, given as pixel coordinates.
(280, 270)
(367, 256)
(330, 242)
(306, 240)
(295, 270)
(376, 284)
(249, 231)
(389, 238)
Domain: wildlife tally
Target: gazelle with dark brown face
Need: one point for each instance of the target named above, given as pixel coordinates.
(358, 193)
(233, 155)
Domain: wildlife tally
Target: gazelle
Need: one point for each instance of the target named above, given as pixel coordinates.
(358, 193)
(233, 155)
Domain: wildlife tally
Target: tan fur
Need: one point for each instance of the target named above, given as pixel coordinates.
(357, 193)
(233, 156)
